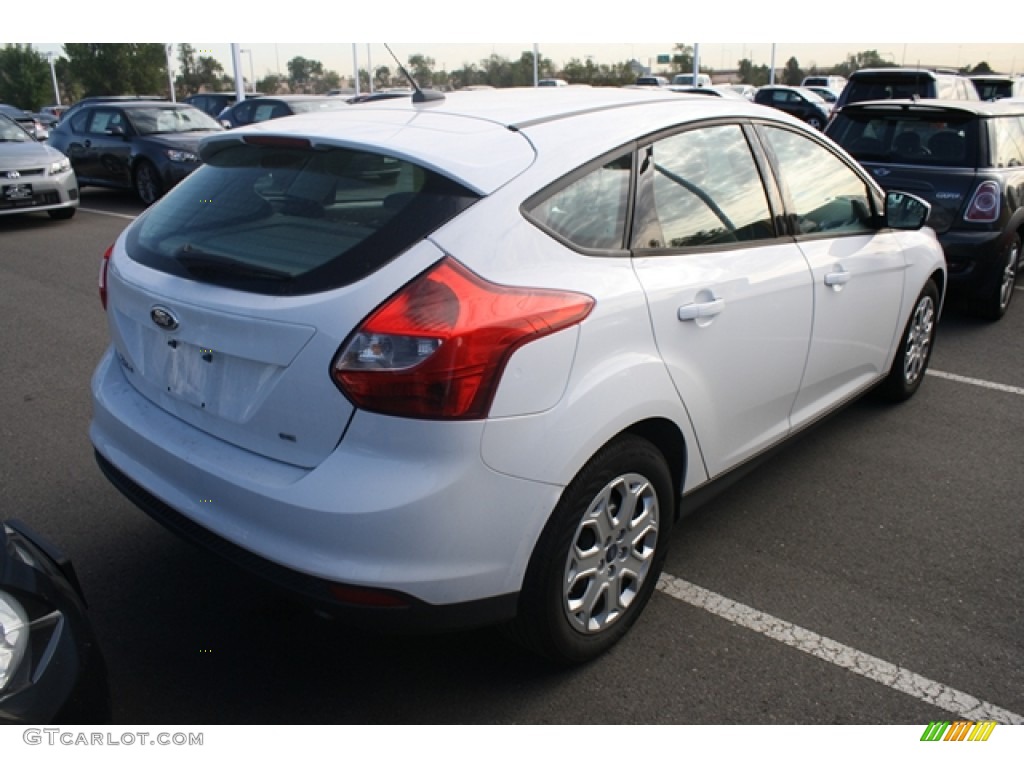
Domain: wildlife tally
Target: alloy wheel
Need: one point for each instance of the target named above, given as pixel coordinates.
(611, 553)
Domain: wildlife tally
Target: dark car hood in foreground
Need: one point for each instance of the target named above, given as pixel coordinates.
(62, 678)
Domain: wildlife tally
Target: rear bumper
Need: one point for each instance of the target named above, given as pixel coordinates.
(402, 506)
(974, 260)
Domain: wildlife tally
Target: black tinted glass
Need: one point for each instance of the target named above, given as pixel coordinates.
(293, 221)
(947, 139)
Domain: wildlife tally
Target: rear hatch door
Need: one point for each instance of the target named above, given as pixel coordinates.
(929, 151)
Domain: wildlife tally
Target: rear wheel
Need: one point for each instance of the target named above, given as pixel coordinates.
(815, 122)
(993, 306)
(598, 560)
(911, 362)
(148, 185)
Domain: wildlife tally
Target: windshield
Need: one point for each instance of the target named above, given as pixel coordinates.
(177, 119)
(11, 131)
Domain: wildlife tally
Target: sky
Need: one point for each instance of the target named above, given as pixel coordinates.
(451, 31)
(267, 58)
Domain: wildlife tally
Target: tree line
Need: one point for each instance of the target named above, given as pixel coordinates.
(96, 69)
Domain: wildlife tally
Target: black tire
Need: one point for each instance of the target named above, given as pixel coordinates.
(815, 122)
(148, 185)
(994, 305)
(916, 343)
(584, 588)
(62, 214)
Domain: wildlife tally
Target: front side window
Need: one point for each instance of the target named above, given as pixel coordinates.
(703, 188)
(292, 220)
(824, 194)
(591, 211)
(105, 121)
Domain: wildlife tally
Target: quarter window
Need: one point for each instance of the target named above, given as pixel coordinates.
(702, 188)
(1008, 136)
(824, 194)
(591, 211)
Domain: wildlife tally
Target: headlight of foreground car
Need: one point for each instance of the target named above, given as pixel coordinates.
(60, 166)
(181, 156)
(13, 637)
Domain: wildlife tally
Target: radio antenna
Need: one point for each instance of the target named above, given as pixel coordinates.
(419, 95)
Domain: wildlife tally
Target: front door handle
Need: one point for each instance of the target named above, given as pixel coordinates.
(705, 309)
(837, 279)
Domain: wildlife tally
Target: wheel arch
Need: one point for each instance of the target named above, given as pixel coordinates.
(670, 442)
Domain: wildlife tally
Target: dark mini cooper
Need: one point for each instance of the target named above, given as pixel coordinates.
(967, 160)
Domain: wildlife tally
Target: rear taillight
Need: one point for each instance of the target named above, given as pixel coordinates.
(984, 206)
(104, 266)
(437, 348)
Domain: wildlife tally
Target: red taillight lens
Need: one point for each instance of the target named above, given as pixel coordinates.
(984, 206)
(437, 348)
(104, 266)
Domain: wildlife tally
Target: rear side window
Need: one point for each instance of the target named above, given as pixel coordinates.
(701, 187)
(1007, 141)
(285, 220)
(589, 212)
(947, 139)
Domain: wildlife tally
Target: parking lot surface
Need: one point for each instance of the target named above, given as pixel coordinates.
(870, 572)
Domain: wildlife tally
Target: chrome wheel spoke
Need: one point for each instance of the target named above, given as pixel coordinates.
(611, 553)
(919, 340)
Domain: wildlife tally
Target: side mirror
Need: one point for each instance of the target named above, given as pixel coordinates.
(117, 130)
(906, 211)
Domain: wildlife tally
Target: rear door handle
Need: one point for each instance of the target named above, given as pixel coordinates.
(706, 309)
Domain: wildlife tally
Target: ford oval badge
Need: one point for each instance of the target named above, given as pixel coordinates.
(163, 318)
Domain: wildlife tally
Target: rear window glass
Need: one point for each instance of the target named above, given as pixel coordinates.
(889, 87)
(285, 221)
(915, 139)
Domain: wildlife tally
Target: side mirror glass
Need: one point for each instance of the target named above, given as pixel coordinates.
(906, 211)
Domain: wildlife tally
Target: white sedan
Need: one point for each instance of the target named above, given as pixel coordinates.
(463, 361)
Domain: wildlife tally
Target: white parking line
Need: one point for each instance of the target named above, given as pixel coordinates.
(107, 213)
(899, 679)
(977, 382)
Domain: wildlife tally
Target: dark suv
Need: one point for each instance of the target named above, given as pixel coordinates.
(802, 103)
(903, 83)
(967, 160)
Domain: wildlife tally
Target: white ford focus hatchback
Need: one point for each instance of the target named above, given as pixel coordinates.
(464, 361)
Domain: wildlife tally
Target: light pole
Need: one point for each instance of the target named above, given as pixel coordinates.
(169, 50)
(53, 76)
(252, 76)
